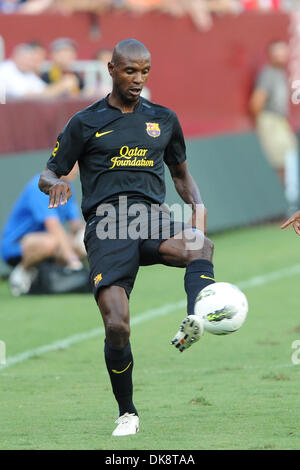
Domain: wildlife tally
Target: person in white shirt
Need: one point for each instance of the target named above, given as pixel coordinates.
(19, 79)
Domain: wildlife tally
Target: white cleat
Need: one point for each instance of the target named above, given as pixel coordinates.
(20, 280)
(128, 424)
(190, 331)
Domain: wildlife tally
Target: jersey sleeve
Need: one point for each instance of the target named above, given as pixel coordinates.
(68, 149)
(175, 152)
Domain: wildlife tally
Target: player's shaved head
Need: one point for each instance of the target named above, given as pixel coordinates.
(129, 68)
(129, 49)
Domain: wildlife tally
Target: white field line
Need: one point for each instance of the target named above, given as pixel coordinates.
(142, 318)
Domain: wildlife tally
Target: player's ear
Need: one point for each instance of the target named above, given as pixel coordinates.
(110, 67)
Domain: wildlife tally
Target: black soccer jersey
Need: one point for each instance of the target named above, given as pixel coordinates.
(119, 154)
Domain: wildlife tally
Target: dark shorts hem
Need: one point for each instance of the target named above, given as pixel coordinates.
(126, 287)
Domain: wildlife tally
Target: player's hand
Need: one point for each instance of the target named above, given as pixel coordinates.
(59, 194)
(295, 221)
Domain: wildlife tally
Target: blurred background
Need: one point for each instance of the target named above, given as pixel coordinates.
(228, 68)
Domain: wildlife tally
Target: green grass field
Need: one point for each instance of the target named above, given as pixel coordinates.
(232, 392)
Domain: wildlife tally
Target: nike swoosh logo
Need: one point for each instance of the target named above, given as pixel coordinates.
(99, 134)
(207, 277)
(121, 371)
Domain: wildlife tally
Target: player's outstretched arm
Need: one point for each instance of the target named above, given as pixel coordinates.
(188, 191)
(295, 221)
(59, 191)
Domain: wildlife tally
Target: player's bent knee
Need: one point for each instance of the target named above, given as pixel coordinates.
(204, 251)
(193, 242)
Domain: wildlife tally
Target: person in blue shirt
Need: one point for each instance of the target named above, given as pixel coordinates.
(33, 233)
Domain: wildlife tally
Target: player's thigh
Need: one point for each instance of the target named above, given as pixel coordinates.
(186, 246)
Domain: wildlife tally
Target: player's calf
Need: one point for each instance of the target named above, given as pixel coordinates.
(199, 274)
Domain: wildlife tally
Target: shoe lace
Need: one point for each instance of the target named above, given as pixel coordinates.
(124, 418)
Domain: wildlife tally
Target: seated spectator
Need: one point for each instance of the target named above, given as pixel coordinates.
(200, 11)
(144, 5)
(34, 233)
(17, 74)
(36, 7)
(103, 56)
(73, 6)
(103, 83)
(19, 78)
(39, 54)
(63, 57)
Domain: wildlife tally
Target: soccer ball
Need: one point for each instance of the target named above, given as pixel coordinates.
(223, 308)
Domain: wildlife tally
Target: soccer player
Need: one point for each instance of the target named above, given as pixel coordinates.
(121, 143)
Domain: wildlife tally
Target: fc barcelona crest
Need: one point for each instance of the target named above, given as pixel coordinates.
(97, 279)
(153, 129)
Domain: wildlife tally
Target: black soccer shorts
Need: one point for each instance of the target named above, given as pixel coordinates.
(115, 260)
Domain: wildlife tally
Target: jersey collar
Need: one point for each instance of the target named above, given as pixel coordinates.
(136, 108)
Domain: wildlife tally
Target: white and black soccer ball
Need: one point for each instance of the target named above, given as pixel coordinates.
(223, 308)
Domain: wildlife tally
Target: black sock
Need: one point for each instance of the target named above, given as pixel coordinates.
(119, 363)
(199, 274)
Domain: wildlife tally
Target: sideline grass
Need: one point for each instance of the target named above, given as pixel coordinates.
(234, 392)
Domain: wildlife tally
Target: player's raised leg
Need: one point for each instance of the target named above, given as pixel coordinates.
(194, 251)
(114, 308)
